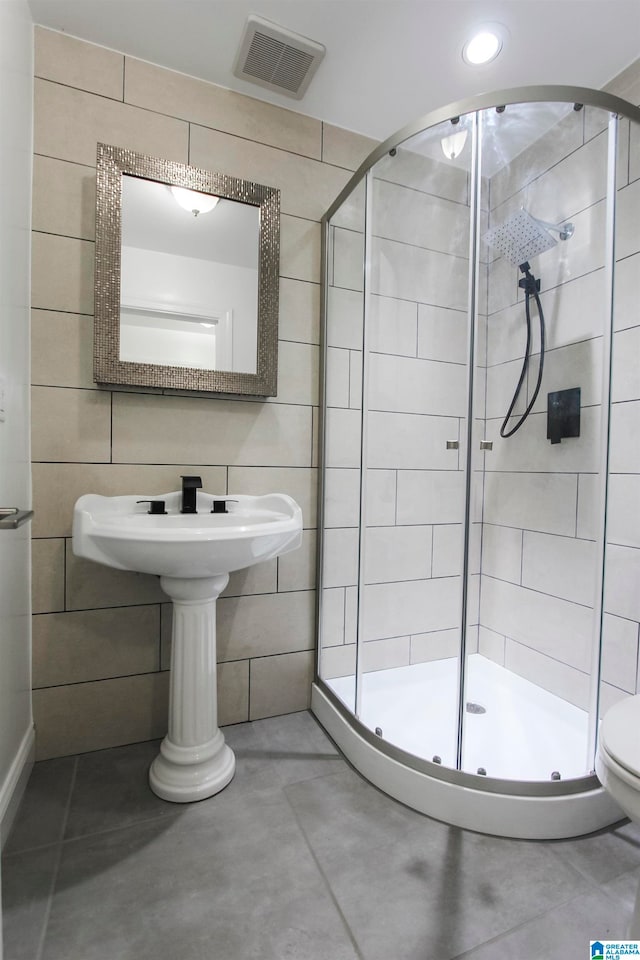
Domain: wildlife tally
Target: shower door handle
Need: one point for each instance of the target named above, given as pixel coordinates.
(11, 518)
(452, 444)
(486, 444)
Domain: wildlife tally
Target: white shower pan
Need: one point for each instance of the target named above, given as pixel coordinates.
(516, 741)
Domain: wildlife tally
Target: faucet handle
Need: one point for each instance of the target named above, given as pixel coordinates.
(155, 506)
(220, 506)
(191, 483)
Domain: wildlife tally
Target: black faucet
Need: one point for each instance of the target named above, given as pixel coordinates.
(189, 487)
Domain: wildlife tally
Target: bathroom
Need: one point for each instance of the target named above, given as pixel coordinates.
(101, 638)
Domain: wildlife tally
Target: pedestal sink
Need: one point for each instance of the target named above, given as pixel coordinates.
(193, 554)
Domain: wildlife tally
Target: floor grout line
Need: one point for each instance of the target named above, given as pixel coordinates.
(56, 866)
(323, 876)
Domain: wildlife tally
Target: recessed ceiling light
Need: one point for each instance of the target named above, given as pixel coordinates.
(483, 47)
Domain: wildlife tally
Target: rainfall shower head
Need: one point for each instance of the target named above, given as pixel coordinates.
(522, 237)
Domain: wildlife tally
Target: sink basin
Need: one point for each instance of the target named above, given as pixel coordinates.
(193, 555)
(120, 532)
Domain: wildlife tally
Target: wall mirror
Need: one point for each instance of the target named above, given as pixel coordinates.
(186, 281)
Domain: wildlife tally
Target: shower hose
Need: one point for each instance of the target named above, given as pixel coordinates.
(531, 288)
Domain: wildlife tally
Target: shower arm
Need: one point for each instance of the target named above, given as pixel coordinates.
(564, 230)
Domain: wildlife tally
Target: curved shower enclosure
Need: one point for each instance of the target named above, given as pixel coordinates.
(481, 284)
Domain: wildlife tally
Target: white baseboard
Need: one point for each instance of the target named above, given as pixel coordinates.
(13, 787)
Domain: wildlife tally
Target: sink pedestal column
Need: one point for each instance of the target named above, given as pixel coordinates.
(194, 761)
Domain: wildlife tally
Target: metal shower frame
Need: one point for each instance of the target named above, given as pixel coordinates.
(520, 95)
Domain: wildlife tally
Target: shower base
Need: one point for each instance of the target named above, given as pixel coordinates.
(525, 735)
(526, 732)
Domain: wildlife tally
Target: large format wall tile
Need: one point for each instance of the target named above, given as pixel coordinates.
(298, 482)
(502, 552)
(408, 385)
(213, 430)
(280, 684)
(623, 515)
(61, 349)
(299, 311)
(620, 652)
(430, 496)
(414, 606)
(535, 501)
(57, 486)
(95, 644)
(104, 713)
(71, 425)
(424, 220)
(561, 139)
(47, 571)
(625, 437)
(344, 148)
(411, 441)
(560, 566)
(397, 553)
(256, 448)
(62, 273)
(549, 673)
(307, 186)
(626, 369)
(76, 63)
(621, 594)
(298, 370)
(253, 626)
(64, 198)
(168, 92)
(89, 585)
(69, 123)
(299, 249)
(554, 627)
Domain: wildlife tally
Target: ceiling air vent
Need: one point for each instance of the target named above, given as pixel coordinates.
(276, 58)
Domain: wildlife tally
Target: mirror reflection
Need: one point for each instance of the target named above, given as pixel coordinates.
(189, 278)
(186, 277)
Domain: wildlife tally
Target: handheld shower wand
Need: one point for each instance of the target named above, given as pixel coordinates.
(519, 239)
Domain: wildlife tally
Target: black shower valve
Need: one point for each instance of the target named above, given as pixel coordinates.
(563, 414)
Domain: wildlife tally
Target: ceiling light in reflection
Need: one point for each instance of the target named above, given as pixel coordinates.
(194, 201)
(453, 145)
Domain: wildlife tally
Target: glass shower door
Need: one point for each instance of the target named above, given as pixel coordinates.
(536, 491)
(415, 381)
(342, 432)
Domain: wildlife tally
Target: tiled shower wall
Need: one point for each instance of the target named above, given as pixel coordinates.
(101, 637)
(539, 503)
(540, 500)
(415, 398)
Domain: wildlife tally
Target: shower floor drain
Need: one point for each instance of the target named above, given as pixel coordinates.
(475, 707)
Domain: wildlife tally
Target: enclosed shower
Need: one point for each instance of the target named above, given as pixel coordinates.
(481, 288)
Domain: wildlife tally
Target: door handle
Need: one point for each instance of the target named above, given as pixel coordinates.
(11, 517)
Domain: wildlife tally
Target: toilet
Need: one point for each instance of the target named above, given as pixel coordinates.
(618, 768)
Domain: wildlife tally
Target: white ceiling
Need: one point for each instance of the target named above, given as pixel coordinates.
(387, 61)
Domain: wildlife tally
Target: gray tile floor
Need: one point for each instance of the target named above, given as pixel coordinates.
(298, 859)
